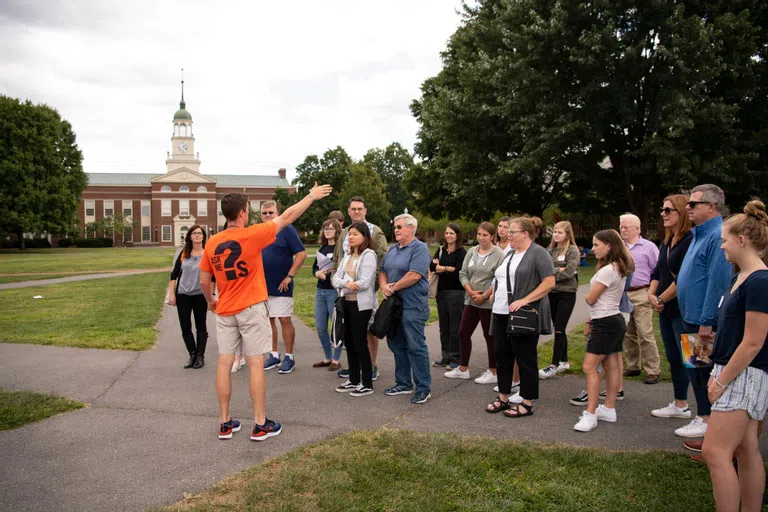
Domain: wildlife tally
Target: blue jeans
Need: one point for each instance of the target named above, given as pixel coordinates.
(699, 379)
(324, 300)
(409, 345)
(671, 328)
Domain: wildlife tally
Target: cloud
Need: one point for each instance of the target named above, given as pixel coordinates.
(266, 83)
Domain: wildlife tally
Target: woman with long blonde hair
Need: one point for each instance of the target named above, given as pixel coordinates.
(562, 299)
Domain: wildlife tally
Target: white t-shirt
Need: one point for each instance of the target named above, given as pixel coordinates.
(506, 249)
(608, 302)
(500, 302)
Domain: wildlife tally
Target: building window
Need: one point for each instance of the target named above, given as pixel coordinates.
(166, 233)
(145, 208)
(184, 230)
(165, 207)
(221, 228)
(201, 188)
(127, 209)
(109, 207)
(202, 208)
(184, 207)
(184, 188)
(218, 203)
(90, 209)
(256, 206)
(145, 233)
(165, 188)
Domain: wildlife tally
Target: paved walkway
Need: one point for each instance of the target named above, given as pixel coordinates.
(78, 277)
(149, 433)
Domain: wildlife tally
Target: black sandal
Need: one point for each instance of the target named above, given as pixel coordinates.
(517, 413)
(503, 406)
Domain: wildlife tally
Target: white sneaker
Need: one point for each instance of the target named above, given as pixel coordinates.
(457, 374)
(564, 366)
(696, 428)
(239, 363)
(672, 411)
(515, 388)
(487, 378)
(515, 399)
(586, 423)
(495, 389)
(603, 413)
(547, 373)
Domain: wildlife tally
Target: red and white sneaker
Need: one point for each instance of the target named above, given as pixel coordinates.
(227, 429)
(265, 431)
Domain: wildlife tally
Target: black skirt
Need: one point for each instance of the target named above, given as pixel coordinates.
(607, 336)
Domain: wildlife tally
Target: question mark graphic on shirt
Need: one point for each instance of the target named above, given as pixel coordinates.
(229, 263)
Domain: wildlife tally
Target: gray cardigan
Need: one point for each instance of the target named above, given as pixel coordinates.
(568, 279)
(366, 277)
(535, 266)
(479, 276)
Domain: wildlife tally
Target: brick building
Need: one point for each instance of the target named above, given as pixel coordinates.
(166, 205)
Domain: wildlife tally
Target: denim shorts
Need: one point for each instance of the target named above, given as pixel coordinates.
(747, 392)
(607, 336)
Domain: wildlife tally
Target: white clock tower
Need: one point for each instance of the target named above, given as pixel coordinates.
(182, 155)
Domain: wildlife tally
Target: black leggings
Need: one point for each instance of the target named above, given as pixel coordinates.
(356, 341)
(561, 304)
(185, 306)
(520, 348)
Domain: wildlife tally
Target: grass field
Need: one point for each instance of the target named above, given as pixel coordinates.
(577, 345)
(112, 313)
(407, 471)
(76, 260)
(18, 408)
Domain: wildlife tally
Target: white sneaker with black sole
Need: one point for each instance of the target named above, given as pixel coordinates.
(672, 411)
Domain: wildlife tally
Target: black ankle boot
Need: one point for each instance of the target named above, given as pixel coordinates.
(191, 361)
(199, 362)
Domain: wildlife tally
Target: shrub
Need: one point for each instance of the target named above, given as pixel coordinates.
(88, 243)
(64, 242)
(106, 242)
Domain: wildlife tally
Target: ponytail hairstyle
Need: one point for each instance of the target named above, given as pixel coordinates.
(752, 225)
(618, 254)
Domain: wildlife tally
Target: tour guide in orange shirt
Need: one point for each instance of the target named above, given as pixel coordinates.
(234, 255)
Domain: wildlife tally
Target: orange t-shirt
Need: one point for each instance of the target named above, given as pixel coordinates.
(234, 257)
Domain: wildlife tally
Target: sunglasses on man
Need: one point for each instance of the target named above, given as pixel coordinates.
(693, 204)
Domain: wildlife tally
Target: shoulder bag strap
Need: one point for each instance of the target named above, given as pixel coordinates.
(509, 283)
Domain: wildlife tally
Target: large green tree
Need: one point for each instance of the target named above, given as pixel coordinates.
(392, 164)
(599, 106)
(41, 173)
(366, 183)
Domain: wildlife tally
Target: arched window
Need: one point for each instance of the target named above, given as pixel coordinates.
(165, 188)
(201, 188)
(183, 132)
(176, 130)
(184, 188)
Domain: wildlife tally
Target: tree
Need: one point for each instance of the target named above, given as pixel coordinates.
(117, 225)
(604, 105)
(41, 174)
(392, 164)
(366, 183)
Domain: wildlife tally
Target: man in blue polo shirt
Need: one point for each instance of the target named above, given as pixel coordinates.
(281, 261)
(701, 283)
(404, 273)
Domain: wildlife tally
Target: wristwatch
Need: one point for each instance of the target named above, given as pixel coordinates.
(661, 301)
(290, 276)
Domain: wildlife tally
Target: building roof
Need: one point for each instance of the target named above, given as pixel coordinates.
(222, 180)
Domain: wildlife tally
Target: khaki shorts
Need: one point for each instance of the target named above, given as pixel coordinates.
(280, 307)
(249, 328)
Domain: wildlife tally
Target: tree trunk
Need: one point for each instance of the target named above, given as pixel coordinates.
(20, 236)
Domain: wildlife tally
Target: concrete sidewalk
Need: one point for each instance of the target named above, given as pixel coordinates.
(79, 277)
(149, 434)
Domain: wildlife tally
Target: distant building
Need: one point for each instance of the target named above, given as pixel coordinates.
(169, 204)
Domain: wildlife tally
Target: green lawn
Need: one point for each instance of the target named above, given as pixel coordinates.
(407, 471)
(18, 408)
(13, 261)
(577, 345)
(18, 279)
(112, 313)
(304, 287)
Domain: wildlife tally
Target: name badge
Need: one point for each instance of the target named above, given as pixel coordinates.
(561, 257)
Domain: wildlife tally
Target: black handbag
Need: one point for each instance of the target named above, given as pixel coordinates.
(337, 323)
(526, 319)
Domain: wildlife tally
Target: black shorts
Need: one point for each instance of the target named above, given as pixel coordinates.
(607, 335)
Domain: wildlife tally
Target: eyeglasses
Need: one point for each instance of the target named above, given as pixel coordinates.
(667, 211)
(270, 212)
(510, 232)
(356, 209)
(400, 226)
(198, 233)
(692, 204)
(627, 227)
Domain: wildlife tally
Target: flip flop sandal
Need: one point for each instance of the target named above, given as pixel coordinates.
(503, 406)
(517, 414)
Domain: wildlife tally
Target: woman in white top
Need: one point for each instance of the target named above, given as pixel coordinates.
(355, 278)
(605, 327)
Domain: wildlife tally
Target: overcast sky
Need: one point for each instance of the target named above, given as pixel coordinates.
(267, 83)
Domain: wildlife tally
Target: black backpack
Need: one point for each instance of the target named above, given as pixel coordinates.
(387, 317)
